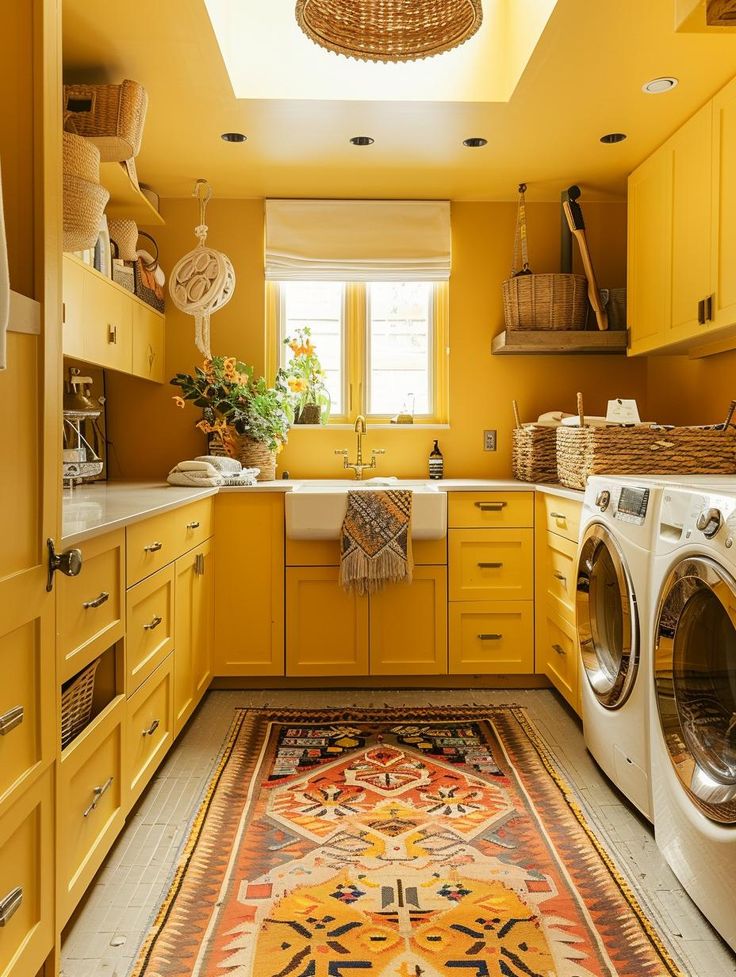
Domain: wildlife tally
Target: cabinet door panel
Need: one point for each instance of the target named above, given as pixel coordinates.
(108, 325)
(557, 655)
(72, 310)
(724, 207)
(408, 625)
(150, 626)
(149, 728)
(148, 343)
(193, 632)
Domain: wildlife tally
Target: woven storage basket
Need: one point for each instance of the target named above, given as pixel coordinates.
(534, 453)
(84, 205)
(125, 234)
(76, 703)
(112, 116)
(586, 451)
(249, 452)
(550, 301)
(81, 158)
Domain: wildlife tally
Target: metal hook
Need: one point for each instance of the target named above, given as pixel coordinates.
(203, 192)
(522, 188)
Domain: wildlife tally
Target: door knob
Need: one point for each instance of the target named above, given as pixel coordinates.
(69, 563)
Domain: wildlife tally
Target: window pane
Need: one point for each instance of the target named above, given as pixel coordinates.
(318, 305)
(400, 347)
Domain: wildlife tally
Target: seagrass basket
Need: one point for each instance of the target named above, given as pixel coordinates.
(81, 158)
(76, 703)
(83, 206)
(124, 232)
(111, 116)
(534, 451)
(249, 452)
(548, 301)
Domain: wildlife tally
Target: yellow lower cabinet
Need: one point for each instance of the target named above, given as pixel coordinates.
(408, 625)
(557, 575)
(561, 516)
(149, 727)
(558, 657)
(150, 626)
(491, 564)
(326, 628)
(492, 638)
(26, 880)
(490, 510)
(91, 803)
(193, 632)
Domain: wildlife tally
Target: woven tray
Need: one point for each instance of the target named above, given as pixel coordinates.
(76, 703)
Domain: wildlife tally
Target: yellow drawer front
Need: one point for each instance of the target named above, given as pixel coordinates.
(558, 576)
(490, 510)
(492, 638)
(408, 625)
(149, 728)
(150, 630)
(557, 656)
(89, 607)
(91, 803)
(562, 516)
(26, 881)
(491, 564)
(157, 541)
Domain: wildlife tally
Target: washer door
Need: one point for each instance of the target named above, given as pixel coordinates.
(608, 625)
(695, 682)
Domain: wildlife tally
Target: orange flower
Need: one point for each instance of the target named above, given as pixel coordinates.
(297, 385)
(293, 345)
(179, 401)
(309, 348)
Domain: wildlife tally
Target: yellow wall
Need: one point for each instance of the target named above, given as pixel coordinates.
(150, 435)
(684, 391)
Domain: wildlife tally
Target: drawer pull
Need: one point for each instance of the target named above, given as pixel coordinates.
(112, 334)
(97, 794)
(97, 602)
(490, 566)
(559, 649)
(153, 547)
(153, 624)
(193, 525)
(560, 576)
(490, 637)
(491, 506)
(151, 729)
(10, 719)
(558, 515)
(10, 905)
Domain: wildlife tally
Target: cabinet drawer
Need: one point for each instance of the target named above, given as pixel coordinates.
(562, 516)
(155, 542)
(493, 564)
(557, 576)
(90, 606)
(91, 803)
(108, 324)
(150, 626)
(26, 881)
(149, 727)
(476, 510)
(148, 343)
(492, 638)
(557, 656)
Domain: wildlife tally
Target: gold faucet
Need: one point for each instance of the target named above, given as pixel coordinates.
(359, 466)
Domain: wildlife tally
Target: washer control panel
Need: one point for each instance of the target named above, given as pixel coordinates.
(633, 502)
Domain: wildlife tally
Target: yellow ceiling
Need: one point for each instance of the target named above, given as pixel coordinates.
(584, 79)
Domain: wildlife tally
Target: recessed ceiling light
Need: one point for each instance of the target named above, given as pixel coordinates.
(362, 141)
(612, 137)
(233, 137)
(657, 86)
(475, 142)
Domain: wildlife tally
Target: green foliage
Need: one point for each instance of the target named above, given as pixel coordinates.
(304, 375)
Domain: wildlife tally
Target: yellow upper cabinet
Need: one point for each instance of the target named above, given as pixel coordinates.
(724, 207)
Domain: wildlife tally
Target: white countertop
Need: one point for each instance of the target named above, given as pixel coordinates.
(100, 507)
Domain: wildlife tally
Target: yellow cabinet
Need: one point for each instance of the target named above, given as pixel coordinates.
(490, 510)
(193, 632)
(107, 318)
(557, 576)
(723, 284)
(150, 626)
(249, 598)
(158, 541)
(26, 880)
(557, 655)
(560, 515)
(408, 625)
(326, 627)
(149, 727)
(72, 308)
(493, 564)
(492, 637)
(148, 343)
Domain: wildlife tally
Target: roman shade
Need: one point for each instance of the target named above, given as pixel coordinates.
(358, 240)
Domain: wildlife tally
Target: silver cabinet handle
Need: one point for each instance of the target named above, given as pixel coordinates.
(97, 794)
(10, 904)
(153, 624)
(10, 719)
(559, 649)
(193, 525)
(97, 602)
(153, 547)
(151, 729)
(559, 576)
(490, 566)
(199, 564)
(558, 515)
(490, 637)
(490, 506)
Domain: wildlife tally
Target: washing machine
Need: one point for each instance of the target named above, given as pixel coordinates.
(613, 594)
(693, 696)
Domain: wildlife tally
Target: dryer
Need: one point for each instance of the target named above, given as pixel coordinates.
(693, 697)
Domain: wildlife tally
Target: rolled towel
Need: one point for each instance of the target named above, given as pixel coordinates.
(199, 473)
(221, 464)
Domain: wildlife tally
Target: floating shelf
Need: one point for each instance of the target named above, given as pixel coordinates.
(25, 315)
(555, 341)
(126, 199)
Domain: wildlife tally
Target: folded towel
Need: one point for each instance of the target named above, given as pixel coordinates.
(376, 541)
(244, 479)
(222, 464)
(199, 473)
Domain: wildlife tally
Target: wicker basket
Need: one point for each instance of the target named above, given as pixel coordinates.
(76, 703)
(124, 233)
(552, 301)
(112, 116)
(81, 158)
(84, 205)
(534, 453)
(249, 452)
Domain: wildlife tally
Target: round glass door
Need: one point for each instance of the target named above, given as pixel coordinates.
(607, 619)
(695, 682)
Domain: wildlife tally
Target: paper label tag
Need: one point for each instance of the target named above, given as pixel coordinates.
(622, 412)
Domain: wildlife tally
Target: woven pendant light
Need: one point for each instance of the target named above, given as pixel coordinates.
(389, 30)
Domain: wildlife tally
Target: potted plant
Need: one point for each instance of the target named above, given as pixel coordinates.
(243, 416)
(305, 379)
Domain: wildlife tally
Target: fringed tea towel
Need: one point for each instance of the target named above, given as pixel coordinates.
(376, 540)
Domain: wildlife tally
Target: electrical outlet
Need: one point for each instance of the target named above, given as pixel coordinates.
(489, 440)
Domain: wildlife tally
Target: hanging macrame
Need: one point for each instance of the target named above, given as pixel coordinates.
(203, 281)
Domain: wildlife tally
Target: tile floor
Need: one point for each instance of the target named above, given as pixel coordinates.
(103, 938)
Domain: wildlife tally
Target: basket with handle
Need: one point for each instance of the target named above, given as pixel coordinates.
(111, 116)
(76, 703)
(545, 301)
(534, 451)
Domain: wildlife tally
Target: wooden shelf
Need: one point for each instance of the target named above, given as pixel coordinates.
(126, 199)
(25, 314)
(556, 341)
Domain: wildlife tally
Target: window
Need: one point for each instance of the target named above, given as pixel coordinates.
(383, 344)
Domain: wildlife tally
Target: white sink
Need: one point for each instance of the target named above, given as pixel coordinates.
(315, 509)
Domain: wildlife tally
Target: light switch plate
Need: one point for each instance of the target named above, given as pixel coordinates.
(489, 440)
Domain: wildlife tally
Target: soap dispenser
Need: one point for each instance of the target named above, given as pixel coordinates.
(436, 462)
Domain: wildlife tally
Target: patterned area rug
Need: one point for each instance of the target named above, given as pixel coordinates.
(422, 843)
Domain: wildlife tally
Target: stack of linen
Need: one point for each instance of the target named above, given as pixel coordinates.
(208, 471)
